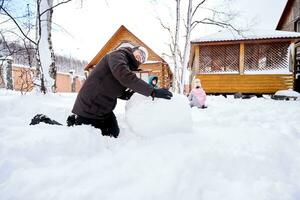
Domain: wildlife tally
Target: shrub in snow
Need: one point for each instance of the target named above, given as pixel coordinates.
(149, 117)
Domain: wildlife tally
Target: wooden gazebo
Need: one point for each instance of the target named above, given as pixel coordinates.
(259, 62)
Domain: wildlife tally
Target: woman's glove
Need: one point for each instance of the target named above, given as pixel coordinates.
(126, 94)
(161, 93)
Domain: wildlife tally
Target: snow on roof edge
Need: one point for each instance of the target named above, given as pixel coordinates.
(227, 35)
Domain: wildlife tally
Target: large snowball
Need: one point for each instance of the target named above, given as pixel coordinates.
(148, 118)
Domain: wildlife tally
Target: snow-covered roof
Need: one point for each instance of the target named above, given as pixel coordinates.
(230, 35)
(152, 62)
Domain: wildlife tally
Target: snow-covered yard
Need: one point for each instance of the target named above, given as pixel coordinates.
(238, 149)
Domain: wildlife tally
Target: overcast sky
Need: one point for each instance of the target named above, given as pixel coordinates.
(82, 30)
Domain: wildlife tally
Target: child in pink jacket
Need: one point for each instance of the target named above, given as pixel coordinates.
(197, 96)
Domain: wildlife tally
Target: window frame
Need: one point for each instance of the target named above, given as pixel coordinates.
(297, 25)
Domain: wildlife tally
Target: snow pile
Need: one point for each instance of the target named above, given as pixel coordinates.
(148, 117)
(239, 149)
(288, 93)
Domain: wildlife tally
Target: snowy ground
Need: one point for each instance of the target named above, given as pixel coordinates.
(238, 150)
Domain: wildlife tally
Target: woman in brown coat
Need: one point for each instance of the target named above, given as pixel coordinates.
(109, 80)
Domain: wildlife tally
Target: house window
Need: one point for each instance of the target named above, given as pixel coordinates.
(219, 58)
(298, 26)
(143, 75)
(269, 56)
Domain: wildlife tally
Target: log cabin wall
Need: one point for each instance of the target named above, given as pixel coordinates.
(290, 18)
(248, 84)
(290, 21)
(155, 65)
(246, 67)
(162, 71)
(120, 36)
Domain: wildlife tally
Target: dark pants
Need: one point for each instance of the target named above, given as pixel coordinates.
(108, 125)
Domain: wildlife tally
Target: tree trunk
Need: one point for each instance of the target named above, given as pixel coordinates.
(9, 78)
(52, 68)
(6, 79)
(2, 83)
(176, 49)
(45, 54)
(187, 46)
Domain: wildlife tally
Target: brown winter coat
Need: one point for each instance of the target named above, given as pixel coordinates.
(110, 78)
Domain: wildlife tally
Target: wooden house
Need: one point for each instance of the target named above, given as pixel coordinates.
(259, 62)
(22, 80)
(290, 17)
(154, 66)
(290, 21)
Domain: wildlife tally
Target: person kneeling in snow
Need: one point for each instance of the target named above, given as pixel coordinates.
(197, 96)
(112, 78)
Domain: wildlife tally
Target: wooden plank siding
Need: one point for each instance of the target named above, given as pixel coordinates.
(211, 66)
(120, 36)
(290, 16)
(233, 83)
(290, 21)
(156, 66)
(23, 80)
(154, 69)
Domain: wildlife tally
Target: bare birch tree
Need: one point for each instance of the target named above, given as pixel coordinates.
(217, 18)
(42, 42)
(177, 52)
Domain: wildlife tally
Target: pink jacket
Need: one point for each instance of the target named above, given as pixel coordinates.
(197, 97)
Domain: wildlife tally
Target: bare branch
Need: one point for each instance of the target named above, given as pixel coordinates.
(215, 11)
(180, 55)
(216, 23)
(185, 25)
(62, 29)
(163, 25)
(5, 43)
(20, 29)
(51, 8)
(168, 29)
(195, 10)
(5, 21)
(167, 55)
(14, 18)
(2, 3)
(12, 32)
(107, 3)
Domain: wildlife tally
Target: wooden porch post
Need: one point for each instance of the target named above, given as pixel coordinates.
(242, 58)
(163, 84)
(296, 65)
(197, 60)
(292, 60)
